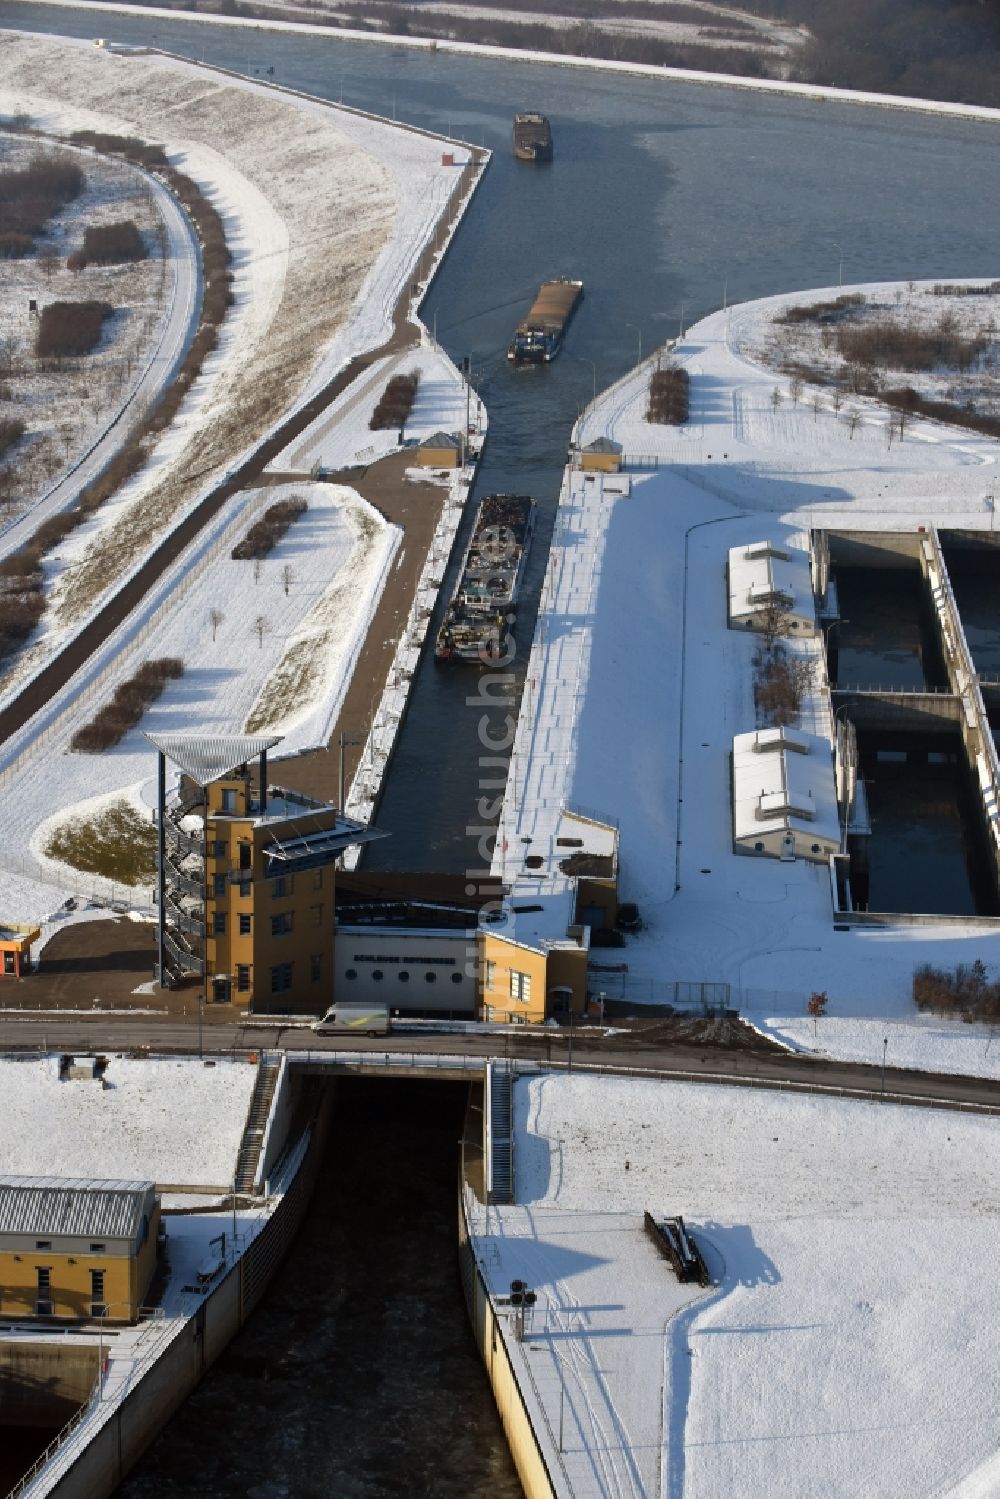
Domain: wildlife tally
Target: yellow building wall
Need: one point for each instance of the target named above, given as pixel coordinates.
(568, 968)
(308, 900)
(508, 957)
(437, 458)
(603, 463)
(126, 1279)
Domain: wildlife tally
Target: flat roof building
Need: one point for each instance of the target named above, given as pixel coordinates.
(784, 795)
(765, 577)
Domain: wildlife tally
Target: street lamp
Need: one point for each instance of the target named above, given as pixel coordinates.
(840, 271)
(885, 1047)
(827, 632)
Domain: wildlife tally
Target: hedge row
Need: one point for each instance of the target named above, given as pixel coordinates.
(264, 535)
(70, 328)
(396, 402)
(668, 397)
(112, 722)
(11, 431)
(32, 195)
(25, 563)
(967, 992)
(22, 604)
(109, 244)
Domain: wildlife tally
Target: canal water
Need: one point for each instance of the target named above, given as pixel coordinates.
(927, 850)
(887, 636)
(357, 1376)
(975, 578)
(664, 197)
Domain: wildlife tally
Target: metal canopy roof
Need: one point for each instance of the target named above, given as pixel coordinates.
(207, 757)
(325, 841)
(49, 1205)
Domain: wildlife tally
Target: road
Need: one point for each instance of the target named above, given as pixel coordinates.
(162, 361)
(622, 1051)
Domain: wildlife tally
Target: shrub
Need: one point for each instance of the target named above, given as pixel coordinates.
(966, 992)
(668, 397)
(396, 402)
(111, 723)
(109, 244)
(70, 328)
(264, 535)
(823, 312)
(11, 431)
(32, 195)
(14, 245)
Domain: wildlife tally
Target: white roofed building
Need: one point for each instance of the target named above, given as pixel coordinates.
(764, 576)
(784, 795)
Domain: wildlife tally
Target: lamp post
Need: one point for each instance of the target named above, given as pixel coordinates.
(840, 269)
(885, 1048)
(827, 632)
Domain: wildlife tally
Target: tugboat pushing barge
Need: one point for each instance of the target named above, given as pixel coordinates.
(539, 338)
(532, 138)
(485, 597)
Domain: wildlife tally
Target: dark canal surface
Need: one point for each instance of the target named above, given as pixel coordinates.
(887, 637)
(19, 1448)
(927, 847)
(975, 578)
(661, 194)
(357, 1376)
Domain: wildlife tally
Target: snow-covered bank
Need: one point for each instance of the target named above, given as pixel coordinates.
(556, 60)
(170, 1120)
(923, 1043)
(846, 1343)
(632, 627)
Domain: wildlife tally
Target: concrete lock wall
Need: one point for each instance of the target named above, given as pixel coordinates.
(42, 1384)
(524, 1446)
(119, 1443)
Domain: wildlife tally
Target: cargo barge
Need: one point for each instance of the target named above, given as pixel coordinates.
(539, 338)
(485, 597)
(532, 138)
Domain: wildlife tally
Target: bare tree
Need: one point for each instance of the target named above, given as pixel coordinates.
(772, 621)
(817, 406)
(853, 420)
(816, 1007)
(215, 618)
(287, 577)
(261, 627)
(776, 398)
(258, 568)
(48, 263)
(795, 389)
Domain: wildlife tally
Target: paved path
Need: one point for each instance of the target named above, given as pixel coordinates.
(177, 325)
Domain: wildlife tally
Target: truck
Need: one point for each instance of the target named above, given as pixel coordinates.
(368, 1020)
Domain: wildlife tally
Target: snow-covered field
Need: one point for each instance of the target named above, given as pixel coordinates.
(632, 627)
(169, 1120)
(319, 206)
(279, 659)
(847, 1348)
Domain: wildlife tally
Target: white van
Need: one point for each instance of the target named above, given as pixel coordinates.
(368, 1020)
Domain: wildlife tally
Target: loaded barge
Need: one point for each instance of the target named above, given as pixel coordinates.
(539, 338)
(485, 597)
(532, 138)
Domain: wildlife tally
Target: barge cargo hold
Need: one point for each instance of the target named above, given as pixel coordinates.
(532, 138)
(539, 338)
(485, 597)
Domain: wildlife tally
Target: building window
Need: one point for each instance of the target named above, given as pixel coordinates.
(43, 1293)
(281, 885)
(491, 973)
(377, 975)
(97, 1248)
(243, 978)
(316, 967)
(403, 976)
(246, 855)
(219, 923)
(245, 886)
(520, 986)
(220, 848)
(281, 924)
(43, 1243)
(229, 801)
(351, 973)
(98, 1307)
(218, 884)
(430, 977)
(245, 924)
(281, 978)
(318, 879)
(456, 978)
(316, 915)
